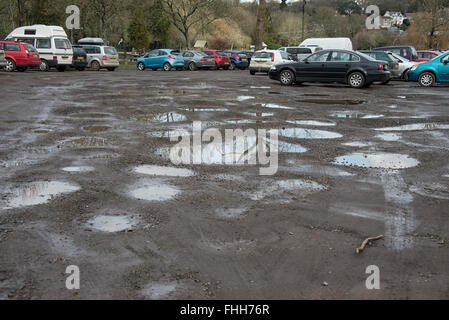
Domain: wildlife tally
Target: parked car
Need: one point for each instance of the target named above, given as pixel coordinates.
(263, 60)
(427, 55)
(2, 59)
(79, 61)
(99, 56)
(194, 60)
(238, 60)
(404, 65)
(429, 73)
(164, 59)
(19, 56)
(51, 42)
(393, 64)
(407, 52)
(328, 43)
(353, 68)
(300, 53)
(249, 55)
(221, 59)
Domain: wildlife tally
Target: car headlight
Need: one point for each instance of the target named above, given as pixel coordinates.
(414, 67)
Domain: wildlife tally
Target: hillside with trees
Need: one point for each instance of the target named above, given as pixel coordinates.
(145, 24)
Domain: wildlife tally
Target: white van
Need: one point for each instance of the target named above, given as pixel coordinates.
(55, 49)
(328, 43)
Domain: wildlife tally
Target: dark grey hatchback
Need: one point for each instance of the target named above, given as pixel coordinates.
(353, 68)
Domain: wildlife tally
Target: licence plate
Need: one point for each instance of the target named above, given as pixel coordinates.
(210, 60)
(65, 58)
(80, 58)
(260, 62)
(226, 62)
(244, 60)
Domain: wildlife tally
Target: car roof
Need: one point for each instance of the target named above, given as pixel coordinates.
(13, 42)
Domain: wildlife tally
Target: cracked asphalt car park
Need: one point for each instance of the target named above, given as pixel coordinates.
(87, 180)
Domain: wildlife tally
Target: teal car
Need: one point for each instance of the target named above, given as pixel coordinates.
(429, 73)
(165, 59)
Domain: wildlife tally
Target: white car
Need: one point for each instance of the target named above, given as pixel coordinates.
(263, 60)
(328, 43)
(301, 53)
(404, 64)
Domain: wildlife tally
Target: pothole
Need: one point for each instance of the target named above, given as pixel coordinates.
(112, 223)
(275, 106)
(417, 127)
(164, 171)
(231, 213)
(391, 137)
(277, 188)
(301, 133)
(244, 98)
(40, 192)
(431, 190)
(164, 117)
(78, 169)
(87, 142)
(96, 128)
(355, 115)
(331, 102)
(377, 160)
(155, 192)
(313, 123)
(89, 115)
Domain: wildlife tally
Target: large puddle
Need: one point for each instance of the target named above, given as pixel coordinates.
(355, 115)
(245, 98)
(312, 123)
(278, 187)
(169, 117)
(164, 171)
(155, 192)
(90, 115)
(301, 133)
(275, 106)
(87, 142)
(79, 169)
(330, 102)
(40, 192)
(417, 127)
(205, 109)
(111, 223)
(95, 129)
(377, 160)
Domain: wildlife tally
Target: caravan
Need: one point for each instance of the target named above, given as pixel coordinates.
(51, 42)
(328, 43)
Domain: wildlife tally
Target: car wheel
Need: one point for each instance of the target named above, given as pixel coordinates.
(252, 73)
(233, 66)
(167, 66)
(60, 69)
(287, 77)
(426, 79)
(192, 66)
(10, 65)
(141, 66)
(95, 66)
(356, 80)
(44, 66)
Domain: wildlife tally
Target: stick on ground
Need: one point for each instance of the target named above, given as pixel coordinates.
(367, 240)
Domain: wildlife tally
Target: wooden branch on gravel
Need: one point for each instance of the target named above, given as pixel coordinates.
(367, 240)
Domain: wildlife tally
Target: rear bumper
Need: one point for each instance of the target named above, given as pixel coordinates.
(177, 63)
(259, 68)
(208, 64)
(80, 64)
(242, 65)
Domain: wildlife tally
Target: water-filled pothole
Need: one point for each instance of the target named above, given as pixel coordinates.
(155, 192)
(89, 115)
(301, 133)
(331, 102)
(96, 128)
(164, 171)
(168, 117)
(87, 142)
(112, 223)
(278, 187)
(79, 169)
(312, 123)
(417, 127)
(377, 160)
(39, 193)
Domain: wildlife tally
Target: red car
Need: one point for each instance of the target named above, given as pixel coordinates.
(426, 55)
(221, 59)
(20, 56)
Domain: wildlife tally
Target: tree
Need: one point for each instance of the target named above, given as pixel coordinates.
(260, 26)
(348, 8)
(159, 23)
(186, 14)
(139, 37)
(283, 4)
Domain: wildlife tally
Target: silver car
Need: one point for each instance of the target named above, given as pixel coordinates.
(3, 62)
(194, 60)
(99, 56)
(404, 64)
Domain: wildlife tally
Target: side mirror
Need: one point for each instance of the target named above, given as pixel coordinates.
(146, 56)
(306, 60)
(446, 62)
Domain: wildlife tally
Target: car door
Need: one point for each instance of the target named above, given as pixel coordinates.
(149, 59)
(338, 65)
(187, 56)
(313, 67)
(443, 68)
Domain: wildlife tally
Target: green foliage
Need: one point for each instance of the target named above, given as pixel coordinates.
(139, 37)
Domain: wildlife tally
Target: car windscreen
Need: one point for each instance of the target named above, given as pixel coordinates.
(242, 55)
(79, 50)
(209, 53)
(263, 55)
(175, 52)
(221, 53)
(62, 44)
(110, 50)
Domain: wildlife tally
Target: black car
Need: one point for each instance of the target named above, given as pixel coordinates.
(407, 52)
(349, 67)
(249, 55)
(79, 61)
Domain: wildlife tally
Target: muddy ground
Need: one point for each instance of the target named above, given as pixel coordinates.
(81, 185)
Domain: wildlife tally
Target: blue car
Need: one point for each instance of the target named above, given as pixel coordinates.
(429, 73)
(165, 59)
(239, 60)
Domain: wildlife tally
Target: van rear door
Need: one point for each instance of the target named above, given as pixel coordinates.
(63, 51)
